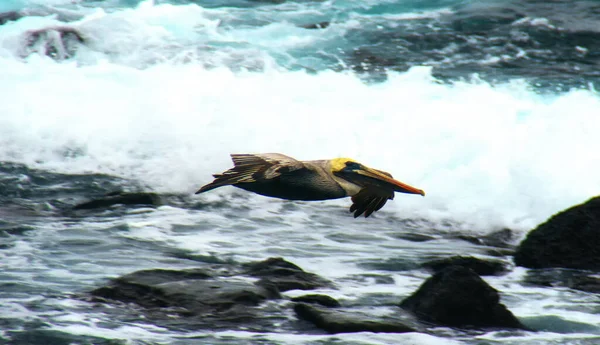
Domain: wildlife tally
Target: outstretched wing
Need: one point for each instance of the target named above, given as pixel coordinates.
(252, 168)
(369, 199)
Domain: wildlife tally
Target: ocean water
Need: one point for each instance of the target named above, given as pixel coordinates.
(489, 106)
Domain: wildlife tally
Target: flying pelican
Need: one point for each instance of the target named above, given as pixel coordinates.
(280, 176)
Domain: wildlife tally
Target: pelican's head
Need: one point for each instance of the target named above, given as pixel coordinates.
(358, 174)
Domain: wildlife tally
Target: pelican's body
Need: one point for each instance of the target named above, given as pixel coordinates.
(280, 176)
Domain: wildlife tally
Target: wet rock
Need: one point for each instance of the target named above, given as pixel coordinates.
(500, 239)
(323, 300)
(559, 324)
(321, 25)
(389, 264)
(479, 266)
(59, 43)
(340, 321)
(587, 284)
(216, 296)
(499, 242)
(142, 287)
(413, 237)
(458, 297)
(371, 278)
(119, 198)
(203, 299)
(569, 239)
(285, 275)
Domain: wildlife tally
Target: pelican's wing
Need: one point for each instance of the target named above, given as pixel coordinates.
(263, 166)
(252, 168)
(369, 199)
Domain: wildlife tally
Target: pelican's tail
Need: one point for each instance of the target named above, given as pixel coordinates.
(245, 166)
(214, 184)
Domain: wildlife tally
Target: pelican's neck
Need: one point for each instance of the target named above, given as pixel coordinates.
(350, 188)
(326, 167)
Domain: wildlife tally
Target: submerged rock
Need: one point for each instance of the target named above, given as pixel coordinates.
(216, 297)
(285, 275)
(208, 302)
(499, 239)
(564, 277)
(414, 237)
(120, 198)
(479, 266)
(347, 321)
(458, 297)
(503, 238)
(237, 296)
(323, 300)
(321, 25)
(569, 239)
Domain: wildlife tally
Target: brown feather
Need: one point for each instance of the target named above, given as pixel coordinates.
(369, 200)
(252, 167)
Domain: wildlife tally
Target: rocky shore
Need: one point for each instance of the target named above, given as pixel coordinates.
(456, 292)
(251, 295)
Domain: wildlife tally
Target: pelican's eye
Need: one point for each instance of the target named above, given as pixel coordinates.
(350, 165)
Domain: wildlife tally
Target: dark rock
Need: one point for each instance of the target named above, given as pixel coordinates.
(569, 239)
(323, 300)
(479, 266)
(212, 302)
(59, 43)
(108, 200)
(216, 296)
(339, 321)
(500, 239)
(369, 278)
(587, 284)
(499, 242)
(9, 17)
(413, 237)
(13, 229)
(558, 324)
(38, 335)
(159, 276)
(285, 275)
(321, 25)
(458, 297)
(468, 238)
(268, 266)
(389, 264)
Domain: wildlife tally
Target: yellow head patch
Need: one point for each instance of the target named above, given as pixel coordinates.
(338, 164)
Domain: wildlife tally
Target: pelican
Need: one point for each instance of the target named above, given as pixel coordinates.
(280, 176)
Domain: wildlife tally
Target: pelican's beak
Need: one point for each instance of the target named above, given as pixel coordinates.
(386, 178)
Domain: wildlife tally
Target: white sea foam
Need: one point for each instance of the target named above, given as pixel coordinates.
(137, 332)
(353, 338)
(491, 155)
(486, 155)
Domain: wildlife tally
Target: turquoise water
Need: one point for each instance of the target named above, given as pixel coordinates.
(551, 46)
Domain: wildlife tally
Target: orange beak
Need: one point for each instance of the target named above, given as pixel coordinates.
(384, 177)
